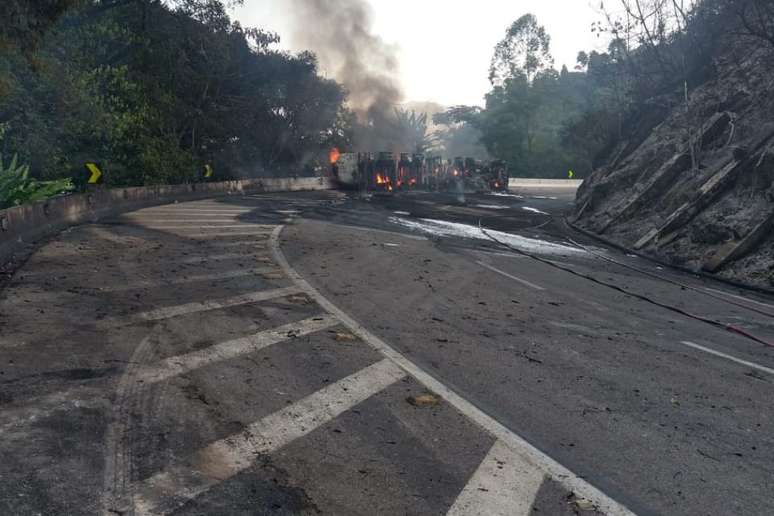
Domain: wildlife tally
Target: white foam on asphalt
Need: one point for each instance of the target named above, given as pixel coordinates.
(454, 229)
(221, 460)
(531, 455)
(503, 485)
(493, 206)
(181, 364)
(534, 210)
(206, 306)
(500, 194)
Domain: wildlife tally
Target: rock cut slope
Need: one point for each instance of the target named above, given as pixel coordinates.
(713, 210)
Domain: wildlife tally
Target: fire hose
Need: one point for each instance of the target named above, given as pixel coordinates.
(727, 327)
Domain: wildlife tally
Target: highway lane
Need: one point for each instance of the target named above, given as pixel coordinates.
(312, 353)
(666, 413)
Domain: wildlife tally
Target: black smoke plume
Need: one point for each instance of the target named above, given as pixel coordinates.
(340, 32)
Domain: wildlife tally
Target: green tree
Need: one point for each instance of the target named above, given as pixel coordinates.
(525, 50)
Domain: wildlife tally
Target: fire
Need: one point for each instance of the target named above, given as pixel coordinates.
(334, 155)
(382, 180)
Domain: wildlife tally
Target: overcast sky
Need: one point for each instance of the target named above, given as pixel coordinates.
(445, 46)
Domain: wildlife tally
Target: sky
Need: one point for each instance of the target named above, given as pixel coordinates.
(445, 46)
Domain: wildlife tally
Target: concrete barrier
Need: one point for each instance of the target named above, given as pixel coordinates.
(26, 224)
(517, 182)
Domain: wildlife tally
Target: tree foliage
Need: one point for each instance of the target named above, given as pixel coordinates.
(412, 128)
(524, 50)
(154, 90)
(544, 122)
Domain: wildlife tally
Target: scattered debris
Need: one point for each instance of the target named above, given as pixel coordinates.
(584, 505)
(300, 299)
(424, 400)
(345, 337)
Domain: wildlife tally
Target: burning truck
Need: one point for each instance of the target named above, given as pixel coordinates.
(390, 172)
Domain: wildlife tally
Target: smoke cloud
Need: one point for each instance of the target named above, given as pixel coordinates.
(340, 32)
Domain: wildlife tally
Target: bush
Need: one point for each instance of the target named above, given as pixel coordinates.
(16, 186)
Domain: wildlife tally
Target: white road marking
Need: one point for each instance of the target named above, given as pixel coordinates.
(181, 364)
(263, 232)
(740, 298)
(168, 490)
(382, 231)
(217, 257)
(189, 279)
(503, 485)
(257, 243)
(199, 220)
(506, 255)
(728, 357)
(532, 455)
(205, 306)
(199, 225)
(192, 211)
(510, 276)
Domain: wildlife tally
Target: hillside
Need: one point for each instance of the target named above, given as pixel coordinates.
(715, 216)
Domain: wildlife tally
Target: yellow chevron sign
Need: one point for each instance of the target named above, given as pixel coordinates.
(208, 172)
(96, 173)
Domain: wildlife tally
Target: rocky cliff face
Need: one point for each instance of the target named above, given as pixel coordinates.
(711, 208)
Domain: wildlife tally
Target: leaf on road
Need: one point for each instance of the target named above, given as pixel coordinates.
(424, 400)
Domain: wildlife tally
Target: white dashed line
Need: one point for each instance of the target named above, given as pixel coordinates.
(504, 485)
(221, 460)
(510, 276)
(739, 298)
(728, 357)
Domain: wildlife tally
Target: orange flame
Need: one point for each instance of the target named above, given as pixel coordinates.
(334, 155)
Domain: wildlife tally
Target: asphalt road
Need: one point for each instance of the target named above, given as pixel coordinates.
(416, 354)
